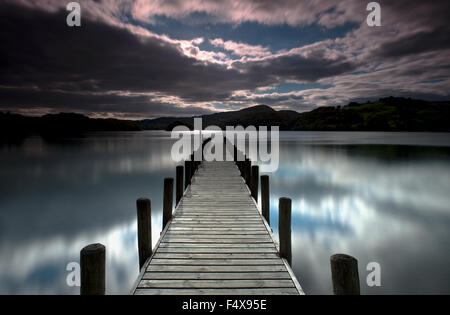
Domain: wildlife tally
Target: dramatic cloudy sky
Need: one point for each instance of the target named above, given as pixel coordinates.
(148, 58)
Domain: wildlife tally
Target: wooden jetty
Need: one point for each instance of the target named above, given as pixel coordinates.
(217, 241)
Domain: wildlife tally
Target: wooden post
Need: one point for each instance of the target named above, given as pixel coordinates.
(203, 148)
(187, 173)
(179, 183)
(284, 228)
(92, 265)
(244, 169)
(344, 274)
(192, 167)
(265, 198)
(144, 229)
(167, 201)
(240, 162)
(255, 180)
(194, 161)
(248, 171)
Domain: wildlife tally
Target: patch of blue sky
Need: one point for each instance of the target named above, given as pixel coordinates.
(432, 81)
(220, 106)
(287, 87)
(276, 37)
(359, 72)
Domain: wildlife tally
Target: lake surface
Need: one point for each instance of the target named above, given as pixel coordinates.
(381, 197)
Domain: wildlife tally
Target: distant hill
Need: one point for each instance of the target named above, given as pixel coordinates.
(60, 124)
(386, 114)
(261, 115)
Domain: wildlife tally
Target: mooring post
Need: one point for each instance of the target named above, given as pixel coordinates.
(167, 201)
(191, 160)
(92, 273)
(344, 274)
(144, 229)
(284, 228)
(192, 166)
(240, 162)
(255, 180)
(179, 178)
(203, 148)
(197, 163)
(244, 170)
(265, 198)
(248, 171)
(187, 173)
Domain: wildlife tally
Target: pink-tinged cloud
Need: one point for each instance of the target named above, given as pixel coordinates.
(407, 56)
(241, 49)
(328, 13)
(293, 12)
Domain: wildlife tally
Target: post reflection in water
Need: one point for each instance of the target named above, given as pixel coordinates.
(377, 196)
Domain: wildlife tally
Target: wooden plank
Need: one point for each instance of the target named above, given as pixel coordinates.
(160, 255)
(215, 275)
(222, 245)
(263, 291)
(216, 240)
(223, 236)
(216, 268)
(219, 214)
(215, 250)
(199, 223)
(217, 262)
(217, 284)
(216, 233)
(188, 219)
(226, 226)
(180, 228)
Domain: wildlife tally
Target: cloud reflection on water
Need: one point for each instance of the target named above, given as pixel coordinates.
(392, 211)
(384, 203)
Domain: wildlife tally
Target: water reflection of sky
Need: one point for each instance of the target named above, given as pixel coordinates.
(351, 193)
(57, 197)
(388, 204)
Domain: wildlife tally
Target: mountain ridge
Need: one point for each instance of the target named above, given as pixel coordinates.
(386, 114)
(266, 116)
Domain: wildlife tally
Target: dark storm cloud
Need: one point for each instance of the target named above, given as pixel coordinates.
(413, 27)
(425, 41)
(295, 67)
(39, 51)
(29, 100)
(110, 65)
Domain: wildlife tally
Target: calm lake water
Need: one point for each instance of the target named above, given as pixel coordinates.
(381, 197)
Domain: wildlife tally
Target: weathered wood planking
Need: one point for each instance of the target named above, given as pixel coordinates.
(217, 243)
